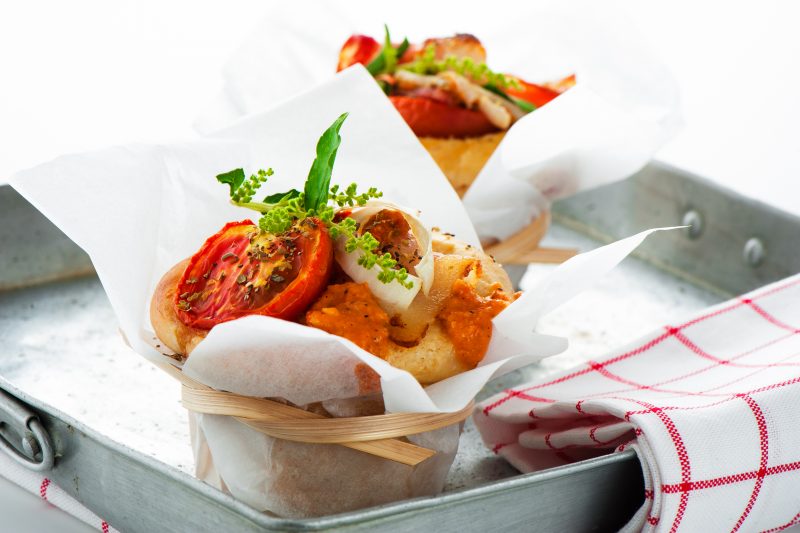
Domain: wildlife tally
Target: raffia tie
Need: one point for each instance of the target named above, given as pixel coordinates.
(379, 435)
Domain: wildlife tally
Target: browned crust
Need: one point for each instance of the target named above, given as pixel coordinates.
(462, 159)
(431, 360)
(177, 336)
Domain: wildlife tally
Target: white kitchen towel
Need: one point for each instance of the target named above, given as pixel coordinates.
(711, 405)
(41, 485)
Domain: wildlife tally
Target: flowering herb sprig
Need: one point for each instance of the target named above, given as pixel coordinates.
(479, 72)
(280, 211)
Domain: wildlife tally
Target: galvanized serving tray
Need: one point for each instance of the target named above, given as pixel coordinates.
(112, 433)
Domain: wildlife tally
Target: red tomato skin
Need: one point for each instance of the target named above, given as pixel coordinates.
(358, 49)
(431, 118)
(315, 253)
(538, 95)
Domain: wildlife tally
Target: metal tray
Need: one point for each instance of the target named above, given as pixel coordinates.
(120, 436)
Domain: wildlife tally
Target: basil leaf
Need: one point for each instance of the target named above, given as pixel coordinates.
(277, 197)
(402, 48)
(234, 178)
(386, 60)
(377, 65)
(319, 176)
(522, 104)
(385, 87)
(496, 90)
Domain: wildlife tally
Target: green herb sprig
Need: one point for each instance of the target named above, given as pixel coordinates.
(280, 211)
(386, 60)
(480, 73)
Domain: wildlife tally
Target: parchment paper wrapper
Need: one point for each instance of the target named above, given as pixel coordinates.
(623, 108)
(137, 210)
(295, 479)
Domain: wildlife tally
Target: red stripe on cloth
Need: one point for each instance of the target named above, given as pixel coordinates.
(43, 488)
(706, 393)
(104, 527)
(730, 479)
(648, 494)
(511, 393)
(793, 522)
(697, 350)
(522, 395)
(768, 317)
(645, 347)
(497, 447)
(768, 292)
(709, 315)
(637, 351)
(676, 331)
(600, 443)
(658, 387)
(591, 436)
(652, 520)
(763, 436)
(683, 459)
(600, 367)
(795, 380)
(773, 290)
(751, 351)
(735, 305)
(559, 452)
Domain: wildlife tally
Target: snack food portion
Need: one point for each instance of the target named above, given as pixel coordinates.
(341, 261)
(458, 107)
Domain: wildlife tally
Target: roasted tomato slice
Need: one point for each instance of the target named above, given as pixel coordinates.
(358, 49)
(242, 271)
(538, 95)
(431, 118)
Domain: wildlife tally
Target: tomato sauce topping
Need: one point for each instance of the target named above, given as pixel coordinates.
(349, 310)
(467, 319)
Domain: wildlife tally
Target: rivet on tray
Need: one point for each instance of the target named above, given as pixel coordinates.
(30, 446)
(754, 251)
(695, 222)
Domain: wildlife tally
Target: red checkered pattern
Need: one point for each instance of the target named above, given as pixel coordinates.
(712, 407)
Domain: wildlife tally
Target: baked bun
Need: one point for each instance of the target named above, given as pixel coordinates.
(436, 356)
(462, 159)
(175, 335)
(440, 335)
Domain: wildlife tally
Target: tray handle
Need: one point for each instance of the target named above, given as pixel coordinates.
(35, 450)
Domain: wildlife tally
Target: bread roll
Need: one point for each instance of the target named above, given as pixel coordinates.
(462, 159)
(177, 336)
(423, 342)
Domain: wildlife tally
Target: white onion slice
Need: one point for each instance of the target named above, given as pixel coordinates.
(392, 295)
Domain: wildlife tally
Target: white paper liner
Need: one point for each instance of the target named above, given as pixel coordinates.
(138, 210)
(623, 109)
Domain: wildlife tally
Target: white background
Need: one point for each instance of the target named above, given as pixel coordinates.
(82, 74)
